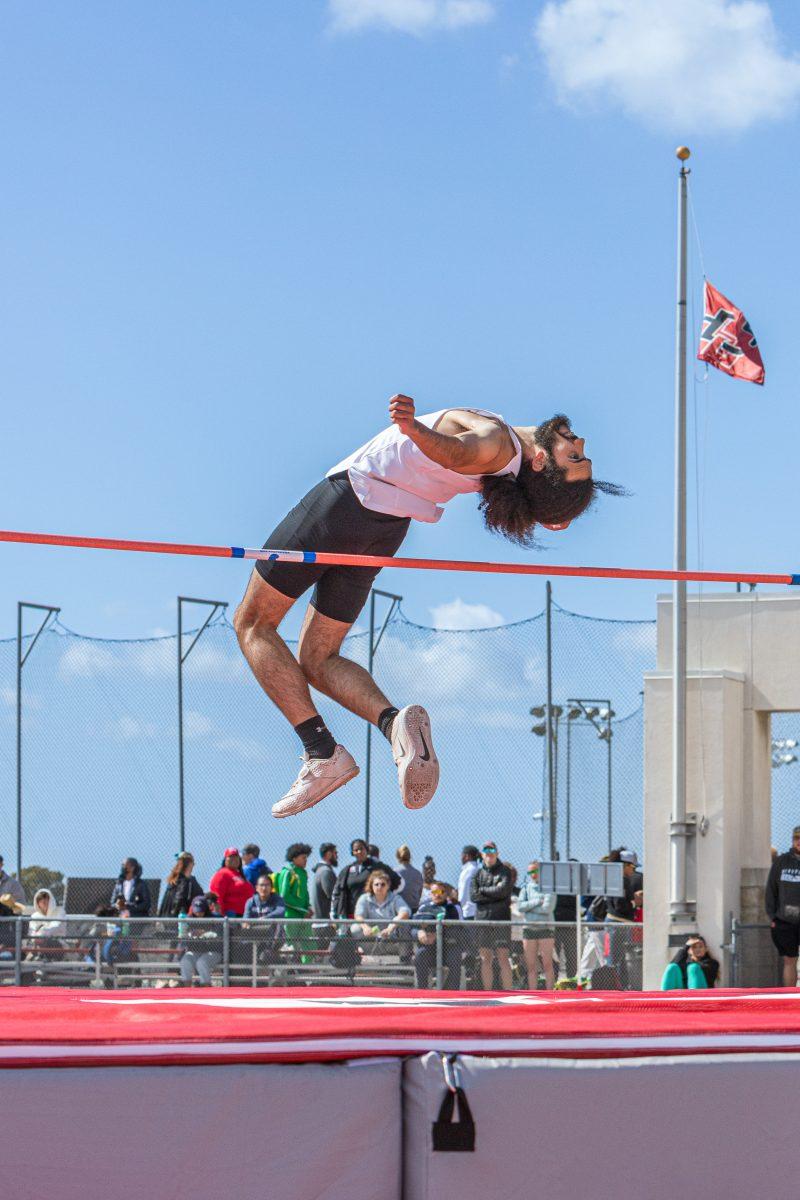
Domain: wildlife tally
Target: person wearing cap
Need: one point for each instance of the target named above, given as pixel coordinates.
(782, 902)
(620, 910)
(201, 944)
(352, 880)
(291, 882)
(490, 890)
(10, 886)
(230, 886)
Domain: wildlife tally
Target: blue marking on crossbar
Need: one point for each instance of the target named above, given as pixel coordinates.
(237, 551)
(795, 580)
(309, 556)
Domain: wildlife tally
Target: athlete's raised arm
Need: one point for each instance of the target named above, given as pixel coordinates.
(480, 445)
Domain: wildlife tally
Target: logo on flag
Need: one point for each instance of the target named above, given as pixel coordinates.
(727, 341)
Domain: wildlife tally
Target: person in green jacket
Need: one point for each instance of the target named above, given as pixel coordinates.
(291, 882)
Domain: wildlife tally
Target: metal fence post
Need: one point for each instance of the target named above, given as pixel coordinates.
(226, 952)
(49, 611)
(215, 606)
(374, 642)
(18, 953)
(439, 955)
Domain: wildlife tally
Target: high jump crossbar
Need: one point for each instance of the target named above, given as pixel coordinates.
(326, 558)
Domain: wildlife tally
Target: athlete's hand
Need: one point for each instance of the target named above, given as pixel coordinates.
(401, 410)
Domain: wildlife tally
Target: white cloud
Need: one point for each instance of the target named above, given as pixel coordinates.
(86, 660)
(408, 16)
(685, 65)
(129, 729)
(197, 724)
(456, 614)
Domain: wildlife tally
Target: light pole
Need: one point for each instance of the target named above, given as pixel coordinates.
(599, 714)
(548, 717)
(781, 752)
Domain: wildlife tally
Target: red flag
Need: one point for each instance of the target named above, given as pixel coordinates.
(727, 341)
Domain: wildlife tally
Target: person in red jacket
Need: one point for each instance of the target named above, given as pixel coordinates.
(230, 885)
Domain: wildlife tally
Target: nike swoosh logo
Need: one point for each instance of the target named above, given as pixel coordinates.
(426, 752)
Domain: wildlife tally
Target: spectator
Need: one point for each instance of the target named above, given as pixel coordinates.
(619, 912)
(692, 967)
(291, 883)
(490, 890)
(379, 903)
(412, 878)
(131, 891)
(438, 908)
(9, 907)
(428, 876)
(182, 887)
(352, 880)
(11, 886)
(566, 939)
(46, 927)
(253, 864)
(323, 881)
(269, 909)
(106, 932)
(230, 886)
(201, 945)
(469, 859)
(782, 902)
(538, 936)
(212, 900)
(374, 851)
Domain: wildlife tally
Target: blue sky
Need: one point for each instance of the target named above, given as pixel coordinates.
(230, 233)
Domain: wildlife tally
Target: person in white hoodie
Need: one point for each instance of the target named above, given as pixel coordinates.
(46, 926)
(538, 938)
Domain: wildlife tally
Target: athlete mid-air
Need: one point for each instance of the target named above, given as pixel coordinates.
(526, 475)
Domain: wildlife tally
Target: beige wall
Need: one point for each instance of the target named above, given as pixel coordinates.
(742, 665)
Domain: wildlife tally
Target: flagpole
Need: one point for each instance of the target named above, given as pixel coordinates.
(680, 908)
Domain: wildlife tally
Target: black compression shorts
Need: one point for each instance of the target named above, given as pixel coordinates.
(332, 518)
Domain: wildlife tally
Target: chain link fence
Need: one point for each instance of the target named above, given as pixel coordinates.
(122, 952)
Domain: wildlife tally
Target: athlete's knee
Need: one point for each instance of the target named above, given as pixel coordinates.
(313, 660)
(249, 620)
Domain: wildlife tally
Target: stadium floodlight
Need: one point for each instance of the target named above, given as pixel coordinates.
(574, 713)
(539, 710)
(539, 730)
(604, 735)
(592, 712)
(606, 714)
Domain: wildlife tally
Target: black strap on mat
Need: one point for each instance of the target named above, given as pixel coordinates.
(456, 1135)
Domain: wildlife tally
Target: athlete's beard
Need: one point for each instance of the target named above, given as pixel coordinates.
(547, 433)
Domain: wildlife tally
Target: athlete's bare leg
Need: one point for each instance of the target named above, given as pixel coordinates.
(256, 623)
(330, 673)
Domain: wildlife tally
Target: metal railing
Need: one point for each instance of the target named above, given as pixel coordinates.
(106, 952)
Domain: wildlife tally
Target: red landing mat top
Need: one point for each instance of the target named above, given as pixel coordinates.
(55, 1026)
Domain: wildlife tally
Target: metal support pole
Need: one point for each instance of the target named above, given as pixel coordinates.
(680, 909)
(578, 937)
(568, 789)
(374, 643)
(610, 794)
(549, 716)
(49, 611)
(439, 955)
(18, 952)
(226, 952)
(215, 606)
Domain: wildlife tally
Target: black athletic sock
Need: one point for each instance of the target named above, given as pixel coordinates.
(317, 739)
(386, 720)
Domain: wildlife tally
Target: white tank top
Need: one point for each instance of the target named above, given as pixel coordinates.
(390, 474)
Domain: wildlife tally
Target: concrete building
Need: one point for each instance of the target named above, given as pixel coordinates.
(742, 667)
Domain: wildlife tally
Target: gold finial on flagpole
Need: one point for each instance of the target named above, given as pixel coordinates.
(683, 152)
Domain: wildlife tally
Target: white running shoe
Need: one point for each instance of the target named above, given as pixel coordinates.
(317, 779)
(412, 749)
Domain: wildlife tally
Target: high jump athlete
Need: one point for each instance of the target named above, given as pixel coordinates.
(525, 475)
